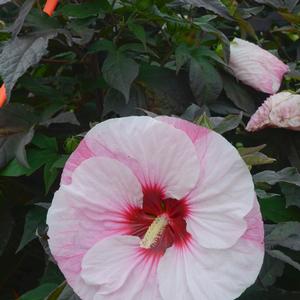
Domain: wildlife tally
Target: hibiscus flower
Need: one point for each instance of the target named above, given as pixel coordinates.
(153, 209)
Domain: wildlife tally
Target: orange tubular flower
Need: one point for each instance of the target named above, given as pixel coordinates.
(50, 7)
(2, 95)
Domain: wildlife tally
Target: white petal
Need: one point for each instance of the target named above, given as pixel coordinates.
(195, 273)
(223, 195)
(159, 154)
(120, 269)
(106, 184)
(88, 210)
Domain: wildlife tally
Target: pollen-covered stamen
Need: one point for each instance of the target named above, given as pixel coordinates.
(154, 232)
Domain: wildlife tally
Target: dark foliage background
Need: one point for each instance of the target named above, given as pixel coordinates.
(94, 60)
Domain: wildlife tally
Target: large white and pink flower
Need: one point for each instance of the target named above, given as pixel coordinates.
(256, 67)
(280, 110)
(156, 209)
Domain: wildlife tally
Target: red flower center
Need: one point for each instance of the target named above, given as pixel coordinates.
(162, 220)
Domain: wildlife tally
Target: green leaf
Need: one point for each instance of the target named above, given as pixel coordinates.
(35, 217)
(245, 27)
(38, 293)
(192, 112)
(220, 35)
(19, 54)
(102, 45)
(263, 194)
(213, 5)
(85, 10)
(272, 269)
(134, 47)
(47, 157)
(239, 94)
(44, 142)
(205, 81)
(257, 159)
(54, 295)
(250, 150)
(182, 55)
(285, 258)
(17, 25)
(291, 193)
(68, 294)
(36, 159)
(23, 140)
(4, 1)
(119, 72)
(202, 53)
(286, 235)
(6, 226)
(16, 131)
(67, 117)
(115, 102)
(139, 32)
(288, 175)
(166, 92)
(50, 173)
(269, 294)
(63, 292)
(204, 121)
(273, 209)
(228, 123)
(61, 161)
(289, 4)
(38, 88)
(41, 21)
(52, 274)
(71, 143)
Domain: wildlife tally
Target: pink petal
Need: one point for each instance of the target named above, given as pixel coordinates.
(195, 273)
(81, 153)
(224, 193)
(89, 209)
(223, 196)
(193, 131)
(157, 153)
(121, 270)
(255, 226)
(197, 134)
(256, 67)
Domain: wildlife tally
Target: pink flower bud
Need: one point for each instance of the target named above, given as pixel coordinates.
(280, 110)
(256, 67)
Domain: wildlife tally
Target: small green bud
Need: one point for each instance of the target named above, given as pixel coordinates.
(71, 144)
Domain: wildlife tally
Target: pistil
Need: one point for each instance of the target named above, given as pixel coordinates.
(154, 232)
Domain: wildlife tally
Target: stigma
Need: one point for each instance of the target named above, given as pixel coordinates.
(154, 232)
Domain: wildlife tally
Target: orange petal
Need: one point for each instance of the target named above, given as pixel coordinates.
(50, 7)
(2, 95)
